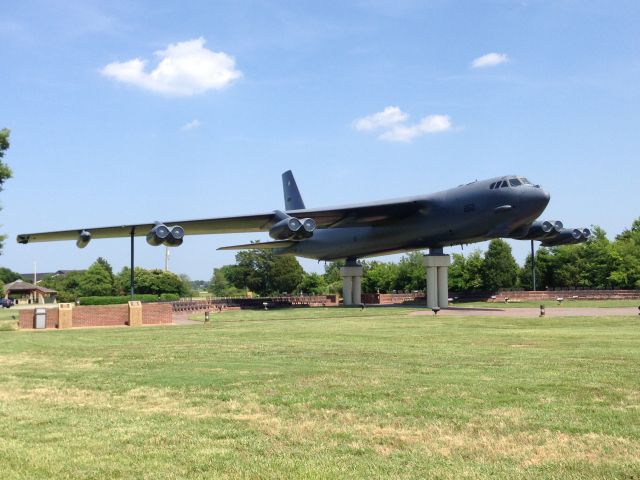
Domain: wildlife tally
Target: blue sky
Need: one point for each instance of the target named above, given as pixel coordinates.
(234, 93)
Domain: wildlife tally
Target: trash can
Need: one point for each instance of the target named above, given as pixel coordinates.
(40, 318)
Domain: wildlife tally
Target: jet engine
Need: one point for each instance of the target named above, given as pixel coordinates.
(83, 239)
(160, 234)
(540, 230)
(567, 236)
(291, 228)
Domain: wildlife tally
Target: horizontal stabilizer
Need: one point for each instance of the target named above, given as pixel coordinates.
(260, 245)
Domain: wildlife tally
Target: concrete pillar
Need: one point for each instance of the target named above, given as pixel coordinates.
(432, 287)
(357, 289)
(443, 287)
(437, 265)
(347, 289)
(351, 284)
(65, 315)
(135, 313)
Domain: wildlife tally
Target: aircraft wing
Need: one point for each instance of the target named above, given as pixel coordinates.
(379, 213)
(247, 223)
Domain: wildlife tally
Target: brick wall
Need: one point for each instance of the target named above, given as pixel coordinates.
(27, 318)
(103, 315)
(100, 315)
(157, 314)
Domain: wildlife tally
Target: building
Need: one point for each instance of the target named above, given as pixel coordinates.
(28, 293)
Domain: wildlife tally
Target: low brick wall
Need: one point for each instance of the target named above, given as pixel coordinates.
(103, 316)
(567, 295)
(26, 319)
(100, 315)
(157, 314)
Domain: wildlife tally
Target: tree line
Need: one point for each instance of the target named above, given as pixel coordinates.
(598, 263)
(99, 280)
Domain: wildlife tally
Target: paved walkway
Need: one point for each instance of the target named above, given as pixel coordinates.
(550, 312)
(183, 319)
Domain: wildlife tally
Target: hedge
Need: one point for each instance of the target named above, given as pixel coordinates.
(116, 300)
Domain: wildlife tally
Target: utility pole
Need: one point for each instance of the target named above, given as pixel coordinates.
(166, 259)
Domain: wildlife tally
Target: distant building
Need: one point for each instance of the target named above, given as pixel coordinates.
(25, 293)
(28, 277)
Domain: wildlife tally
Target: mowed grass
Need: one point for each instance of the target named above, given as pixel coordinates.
(325, 393)
(566, 302)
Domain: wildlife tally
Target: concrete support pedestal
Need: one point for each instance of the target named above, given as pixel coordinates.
(351, 284)
(437, 265)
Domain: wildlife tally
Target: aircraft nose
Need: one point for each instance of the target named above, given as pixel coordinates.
(535, 199)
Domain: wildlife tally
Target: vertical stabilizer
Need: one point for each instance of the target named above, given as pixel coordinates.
(292, 198)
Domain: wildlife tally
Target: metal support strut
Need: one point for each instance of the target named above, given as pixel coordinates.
(133, 231)
(533, 267)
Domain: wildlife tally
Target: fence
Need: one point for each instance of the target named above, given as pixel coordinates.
(255, 303)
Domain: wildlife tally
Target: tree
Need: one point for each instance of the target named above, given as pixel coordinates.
(67, 285)
(5, 171)
(286, 274)
(380, 277)
(220, 284)
(411, 273)
(457, 268)
(474, 271)
(8, 276)
(500, 269)
(332, 276)
(154, 282)
(312, 284)
(97, 280)
(627, 249)
(544, 266)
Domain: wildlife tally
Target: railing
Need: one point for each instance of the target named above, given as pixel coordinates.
(220, 303)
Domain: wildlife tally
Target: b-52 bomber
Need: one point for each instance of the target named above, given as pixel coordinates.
(501, 207)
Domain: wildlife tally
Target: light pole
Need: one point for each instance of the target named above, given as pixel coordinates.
(533, 266)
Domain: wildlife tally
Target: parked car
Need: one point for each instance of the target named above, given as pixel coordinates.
(6, 302)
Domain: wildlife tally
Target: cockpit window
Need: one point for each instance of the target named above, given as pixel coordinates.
(504, 184)
(492, 186)
(515, 182)
(525, 181)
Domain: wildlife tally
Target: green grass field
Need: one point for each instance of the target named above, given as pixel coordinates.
(567, 302)
(325, 393)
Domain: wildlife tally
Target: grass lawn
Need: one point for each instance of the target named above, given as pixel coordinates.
(325, 393)
(567, 302)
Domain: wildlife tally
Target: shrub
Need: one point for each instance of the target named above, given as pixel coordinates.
(169, 297)
(116, 300)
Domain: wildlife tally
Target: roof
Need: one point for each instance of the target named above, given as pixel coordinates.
(21, 286)
(28, 277)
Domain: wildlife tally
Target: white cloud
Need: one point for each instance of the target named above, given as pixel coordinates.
(386, 118)
(184, 69)
(490, 60)
(392, 124)
(429, 124)
(192, 125)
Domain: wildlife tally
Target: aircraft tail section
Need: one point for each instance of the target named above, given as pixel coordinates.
(292, 197)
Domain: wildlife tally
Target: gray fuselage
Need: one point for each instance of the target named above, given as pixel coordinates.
(462, 215)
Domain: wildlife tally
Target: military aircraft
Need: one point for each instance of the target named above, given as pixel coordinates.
(501, 207)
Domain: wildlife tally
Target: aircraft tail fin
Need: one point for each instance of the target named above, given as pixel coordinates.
(292, 197)
(261, 245)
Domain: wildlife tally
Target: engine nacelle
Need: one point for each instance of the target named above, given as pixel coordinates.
(83, 239)
(540, 230)
(175, 238)
(566, 236)
(158, 235)
(290, 228)
(285, 229)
